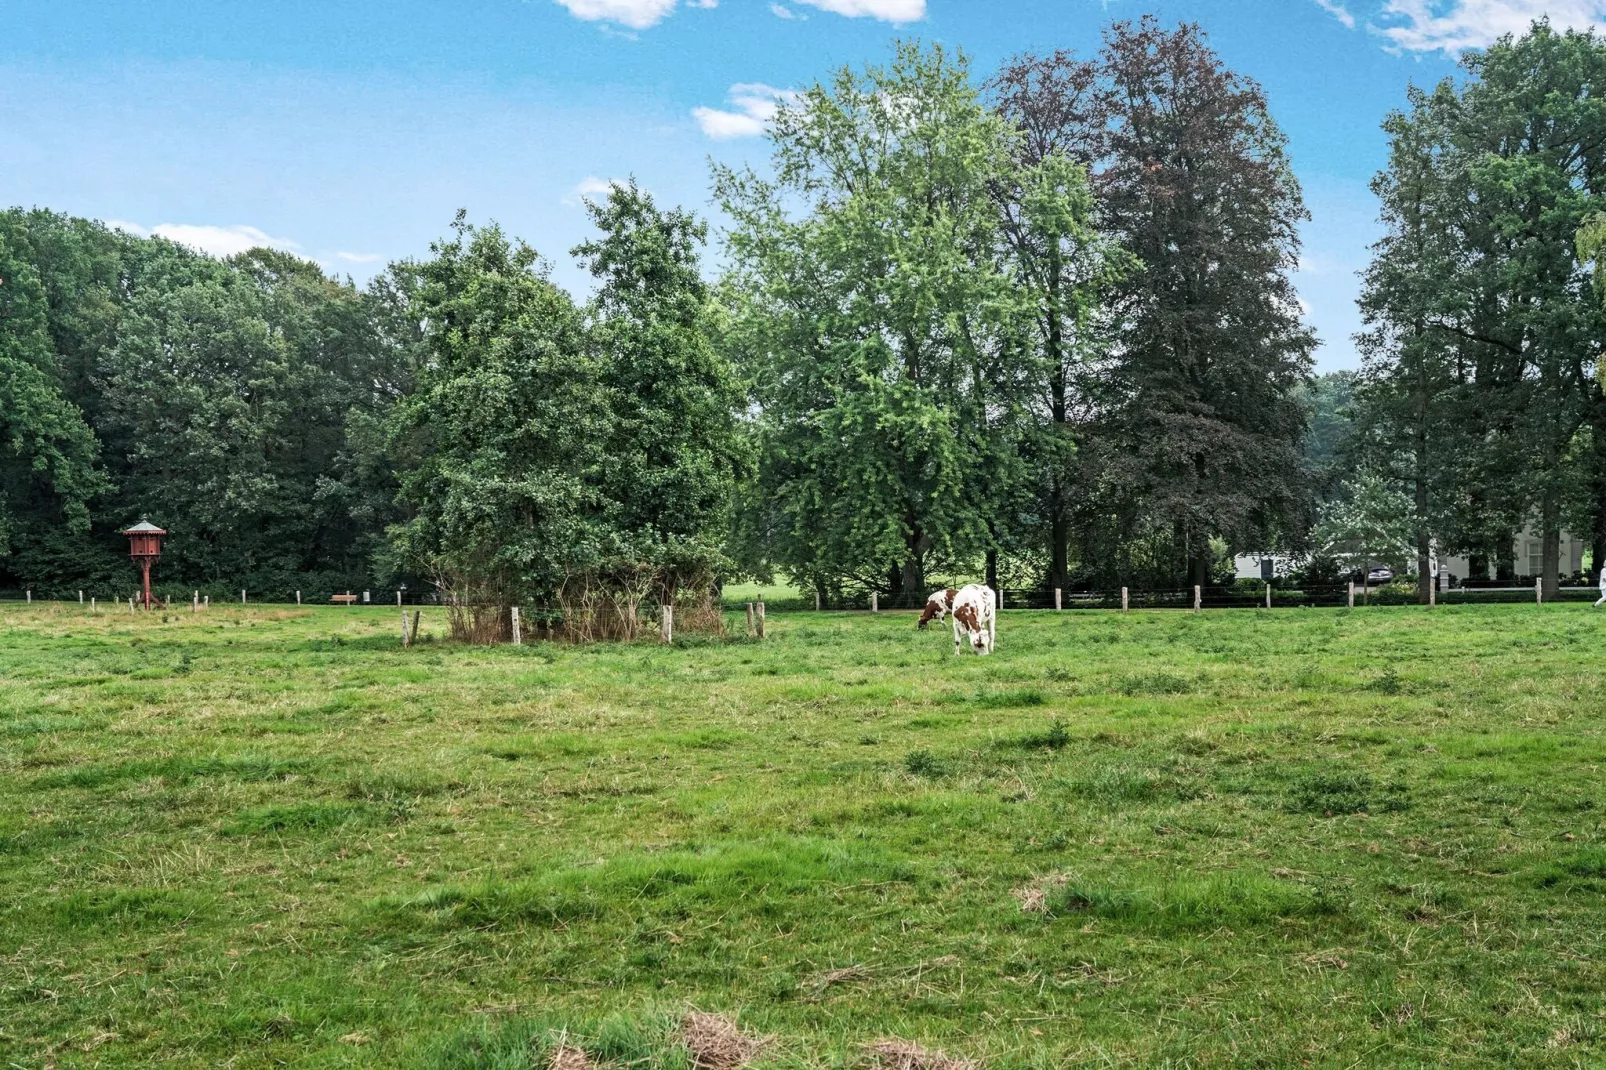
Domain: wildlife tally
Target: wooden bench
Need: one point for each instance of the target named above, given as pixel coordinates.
(347, 599)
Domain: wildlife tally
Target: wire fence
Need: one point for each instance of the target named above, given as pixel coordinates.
(1238, 596)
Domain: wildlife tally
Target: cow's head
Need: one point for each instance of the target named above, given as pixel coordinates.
(937, 607)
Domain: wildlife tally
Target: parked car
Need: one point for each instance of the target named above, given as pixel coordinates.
(1380, 575)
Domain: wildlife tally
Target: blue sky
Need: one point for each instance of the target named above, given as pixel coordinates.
(352, 131)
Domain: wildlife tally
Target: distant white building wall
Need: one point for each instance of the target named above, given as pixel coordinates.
(1529, 554)
(1249, 567)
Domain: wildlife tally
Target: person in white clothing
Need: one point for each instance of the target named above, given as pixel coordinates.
(1602, 598)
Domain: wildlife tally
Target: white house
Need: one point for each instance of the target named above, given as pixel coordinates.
(1529, 554)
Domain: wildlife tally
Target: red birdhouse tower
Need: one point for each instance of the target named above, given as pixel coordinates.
(144, 547)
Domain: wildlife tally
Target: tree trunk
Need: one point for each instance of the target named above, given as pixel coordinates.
(894, 579)
(1550, 543)
(1424, 567)
(1199, 561)
(992, 569)
(1058, 523)
(1597, 542)
(1059, 534)
(1505, 561)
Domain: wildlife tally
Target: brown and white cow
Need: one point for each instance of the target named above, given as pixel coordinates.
(975, 613)
(938, 606)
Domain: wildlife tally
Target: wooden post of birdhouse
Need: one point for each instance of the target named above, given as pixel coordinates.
(1197, 597)
(1059, 603)
(518, 634)
(875, 602)
(666, 624)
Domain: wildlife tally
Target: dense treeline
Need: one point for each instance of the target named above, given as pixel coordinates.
(1481, 398)
(240, 403)
(1037, 325)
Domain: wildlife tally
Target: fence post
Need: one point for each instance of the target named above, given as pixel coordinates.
(761, 620)
(1126, 604)
(417, 615)
(130, 607)
(80, 598)
(92, 603)
(1058, 605)
(195, 601)
(206, 603)
(30, 596)
(750, 619)
(875, 602)
(298, 598)
(1352, 594)
(242, 596)
(1268, 596)
(816, 601)
(666, 625)
(404, 629)
(1539, 591)
(1197, 597)
(518, 633)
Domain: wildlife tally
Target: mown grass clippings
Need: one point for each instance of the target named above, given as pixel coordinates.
(715, 1042)
(907, 1055)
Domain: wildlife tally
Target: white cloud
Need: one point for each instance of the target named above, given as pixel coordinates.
(220, 241)
(782, 12)
(755, 106)
(216, 241)
(1338, 11)
(592, 186)
(885, 10)
(1454, 25)
(360, 258)
(636, 14)
(702, 3)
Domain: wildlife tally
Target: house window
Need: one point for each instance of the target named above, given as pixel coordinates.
(1536, 558)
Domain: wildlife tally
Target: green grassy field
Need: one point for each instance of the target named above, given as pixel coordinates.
(1329, 838)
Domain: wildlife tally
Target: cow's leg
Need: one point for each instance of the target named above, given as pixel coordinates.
(956, 636)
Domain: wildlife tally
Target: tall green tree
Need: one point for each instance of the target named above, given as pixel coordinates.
(500, 440)
(1518, 156)
(883, 322)
(674, 448)
(1200, 421)
(1063, 266)
(48, 471)
(1412, 395)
